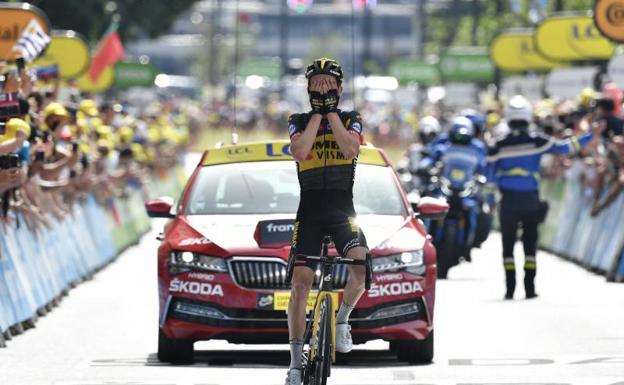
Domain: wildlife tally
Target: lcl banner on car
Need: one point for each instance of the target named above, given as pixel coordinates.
(572, 38)
(14, 17)
(514, 51)
(609, 18)
(69, 51)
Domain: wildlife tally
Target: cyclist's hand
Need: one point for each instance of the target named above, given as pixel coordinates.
(331, 100)
(317, 102)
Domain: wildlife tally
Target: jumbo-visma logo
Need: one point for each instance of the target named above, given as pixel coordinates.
(609, 16)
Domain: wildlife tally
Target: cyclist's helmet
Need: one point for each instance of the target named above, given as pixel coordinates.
(325, 66)
(477, 119)
(461, 131)
(428, 129)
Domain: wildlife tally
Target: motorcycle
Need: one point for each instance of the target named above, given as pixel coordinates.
(469, 218)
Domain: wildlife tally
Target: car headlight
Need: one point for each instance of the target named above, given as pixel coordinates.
(410, 261)
(185, 260)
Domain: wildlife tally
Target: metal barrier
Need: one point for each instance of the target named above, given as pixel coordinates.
(37, 268)
(570, 231)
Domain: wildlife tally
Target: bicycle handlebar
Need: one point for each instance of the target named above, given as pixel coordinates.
(334, 261)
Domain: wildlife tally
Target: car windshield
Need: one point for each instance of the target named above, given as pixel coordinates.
(272, 187)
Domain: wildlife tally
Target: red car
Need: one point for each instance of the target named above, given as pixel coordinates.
(222, 260)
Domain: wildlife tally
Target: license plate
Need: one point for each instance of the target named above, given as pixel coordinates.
(281, 298)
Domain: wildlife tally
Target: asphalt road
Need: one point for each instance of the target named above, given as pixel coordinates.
(104, 333)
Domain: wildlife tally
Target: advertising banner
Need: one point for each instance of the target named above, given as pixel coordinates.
(14, 17)
(514, 51)
(472, 64)
(570, 38)
(609, 18)
(415, 71)
(69, 51)
(134, 75)
(104, 82)
(268, 67)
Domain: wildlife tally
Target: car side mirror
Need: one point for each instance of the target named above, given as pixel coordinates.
(160, 208)
(431, 208)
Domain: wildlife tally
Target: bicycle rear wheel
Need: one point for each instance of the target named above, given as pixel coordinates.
(319, 368)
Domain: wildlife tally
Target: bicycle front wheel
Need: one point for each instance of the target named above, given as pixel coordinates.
(319, 368)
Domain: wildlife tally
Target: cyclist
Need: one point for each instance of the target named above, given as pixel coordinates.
(325, 143)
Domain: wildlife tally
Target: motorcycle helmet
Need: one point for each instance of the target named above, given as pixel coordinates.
(428, 129)
(325, 66)
(477, 119)
(462, 130)
(519, 112)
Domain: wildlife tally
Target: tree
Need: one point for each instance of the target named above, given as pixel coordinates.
(91, 18)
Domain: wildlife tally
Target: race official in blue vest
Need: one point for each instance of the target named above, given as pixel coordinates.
(514, 165)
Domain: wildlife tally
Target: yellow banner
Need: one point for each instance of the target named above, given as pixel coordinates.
(69, 51)
(276, 150)
(569, 38)
(104, 82)
(13, 19)
(515, 51)
(609, 17)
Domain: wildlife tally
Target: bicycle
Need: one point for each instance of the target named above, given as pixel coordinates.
(320, 330)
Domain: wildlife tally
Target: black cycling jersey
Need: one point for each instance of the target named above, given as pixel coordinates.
(326, 180)
(325, 167)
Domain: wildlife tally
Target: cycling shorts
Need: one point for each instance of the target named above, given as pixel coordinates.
(308, 237)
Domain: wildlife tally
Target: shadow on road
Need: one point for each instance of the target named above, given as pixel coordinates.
(265, 358)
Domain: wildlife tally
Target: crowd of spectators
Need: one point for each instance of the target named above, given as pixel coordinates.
(58, 145)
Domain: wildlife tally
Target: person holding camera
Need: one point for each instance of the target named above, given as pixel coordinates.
(325, 143)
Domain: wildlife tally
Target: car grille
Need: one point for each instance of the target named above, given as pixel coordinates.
(270, 273)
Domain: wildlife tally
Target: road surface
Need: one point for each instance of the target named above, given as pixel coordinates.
(104, 333)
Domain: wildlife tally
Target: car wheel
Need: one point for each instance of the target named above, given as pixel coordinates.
(414, 351)
(174, 351)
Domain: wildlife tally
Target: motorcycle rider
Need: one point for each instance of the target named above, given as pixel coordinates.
(463, 148)
(428, 129)
(515, 165)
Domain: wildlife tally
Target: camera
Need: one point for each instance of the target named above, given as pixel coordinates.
(8, 161)
(39, 155)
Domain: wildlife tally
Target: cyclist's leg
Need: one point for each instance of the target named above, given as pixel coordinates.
(351, 243)
(306, 240)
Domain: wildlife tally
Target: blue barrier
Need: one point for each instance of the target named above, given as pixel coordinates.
(37, 267)
(619, 274)
(594, 242)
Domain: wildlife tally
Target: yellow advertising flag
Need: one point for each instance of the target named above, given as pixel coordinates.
(570, 38)
(69, 51)
(609, 17)
(104, 82)
(14, 17)
(514, 51)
